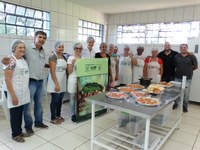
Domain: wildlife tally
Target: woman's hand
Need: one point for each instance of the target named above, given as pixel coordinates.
(5, 60)
(116, 78)
(73, 61)
(57, 88)
(15, 100)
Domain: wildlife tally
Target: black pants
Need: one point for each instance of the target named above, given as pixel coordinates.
(16, 120)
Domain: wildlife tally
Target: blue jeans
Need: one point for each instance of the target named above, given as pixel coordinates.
(186, 93)
(72, 103)
(56, 104)
(37, 95)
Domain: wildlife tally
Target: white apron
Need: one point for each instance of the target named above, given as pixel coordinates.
(153, 69)
(113, 69)
(72, 79)
(125, 70)
(138, 70)
(20, 82)
(60, 72)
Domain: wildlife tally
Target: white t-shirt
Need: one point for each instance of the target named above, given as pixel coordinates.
(86, 53)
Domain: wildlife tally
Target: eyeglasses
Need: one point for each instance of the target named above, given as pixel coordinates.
(78, 48)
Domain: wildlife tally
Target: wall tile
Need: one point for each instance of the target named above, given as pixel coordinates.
(54, 19)
(62, 34)
(82, 12)
(152, 16)
(76, 10)
(160, 15)
(137, 17)
(62, 20)
(15, 1)
(116, 19)
(62, 7)
(169, 15)
(26, 2)
(5, 47)
(69, 36)
(69, 8)
(129, 18)
(178, 14)
(75, 23)
(88, 14)
(37, 3)
(188, 13)
(144, 17)
(197, 12)
(54, 5)
(54, 33)
(122, 18)
(69, 22)
(46, 4)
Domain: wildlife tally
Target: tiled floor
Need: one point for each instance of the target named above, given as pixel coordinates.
(70, 136)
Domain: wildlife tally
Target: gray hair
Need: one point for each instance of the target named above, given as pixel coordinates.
(57, 44)
(103, 43)
(77, 44)
(15, 43)
(126, 46)
(89, 38)
(111, 45)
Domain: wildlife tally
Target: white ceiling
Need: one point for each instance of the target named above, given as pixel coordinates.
(120, 6)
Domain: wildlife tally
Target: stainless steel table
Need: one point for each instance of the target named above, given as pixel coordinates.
(131, 107)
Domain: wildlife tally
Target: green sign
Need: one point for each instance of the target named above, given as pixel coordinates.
(88, 67)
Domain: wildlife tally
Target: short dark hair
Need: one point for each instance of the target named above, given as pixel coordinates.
(184, 44)
(40, 32)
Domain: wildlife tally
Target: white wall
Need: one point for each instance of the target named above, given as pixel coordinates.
(64, 23)
(190, 13)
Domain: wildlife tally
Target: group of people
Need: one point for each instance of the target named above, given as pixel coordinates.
(24, 76)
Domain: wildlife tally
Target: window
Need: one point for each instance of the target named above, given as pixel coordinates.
(19, 20)
(87, 28)
(158, 33)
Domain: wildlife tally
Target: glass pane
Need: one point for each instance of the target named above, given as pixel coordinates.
(97, 26)
(84, 31)
(21, 31)
(93, 26)
(2, 29)
(46, 16)
(93, 33)
(20, 10)
(2, 18)
(97, 33)
(85, 24)
(195, 25)
(30, 31)
(1, 6)
(29, 12)
(10, 8)
(38, 24)
(46, 25)
(30, 22)
(84, 37)
(89, 25)
(119, 28)
(21, 21)
(89, 32)
(10, 19)
(38, 14)
(11, 29)
(80, 23)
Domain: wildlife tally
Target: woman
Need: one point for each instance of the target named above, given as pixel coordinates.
(153, 66)
(102, 54)
(18, 94)
(72, 79)
(56, 84)
(126, 61)
(89, 51)
(114, 64)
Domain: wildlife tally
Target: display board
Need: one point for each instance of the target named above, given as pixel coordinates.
(92, 78)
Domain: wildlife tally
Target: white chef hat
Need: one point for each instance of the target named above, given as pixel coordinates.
(15, 43)
(57, 44)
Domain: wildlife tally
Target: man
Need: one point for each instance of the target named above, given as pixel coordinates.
(167, 56)
(89, 52)
(35, 58)
(138, 69)
(185, 63)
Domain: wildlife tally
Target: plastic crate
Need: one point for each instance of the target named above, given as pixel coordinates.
(131, 124)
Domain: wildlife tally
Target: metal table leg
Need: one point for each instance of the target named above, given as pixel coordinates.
(146, 139)
(92, 126)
